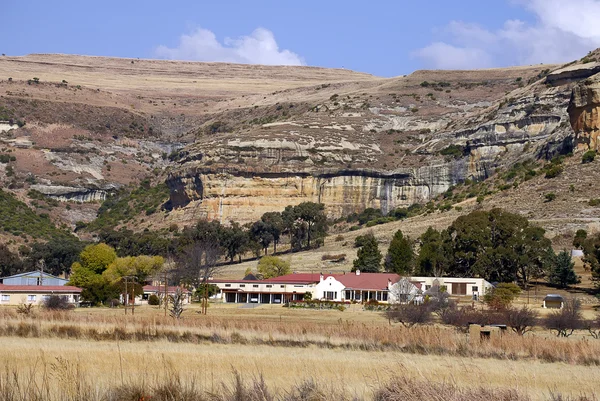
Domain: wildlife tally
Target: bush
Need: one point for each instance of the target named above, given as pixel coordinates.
(550, 197)
(153, 300)
(500, 297)
(554, 171)
(56, 302)
(566, 320)
(580, 237)
(521, 320)
(339, 238)
(588, 157)
(410, 314)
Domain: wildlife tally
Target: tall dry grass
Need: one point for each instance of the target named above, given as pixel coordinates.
(426, 340)
(62, 381)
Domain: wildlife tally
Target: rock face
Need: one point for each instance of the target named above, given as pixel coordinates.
(234, 196)
(584, 111)
(382, 157)
(65, 194)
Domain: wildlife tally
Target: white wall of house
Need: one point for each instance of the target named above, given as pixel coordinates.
(17, 298)
(455, 285)
(329, 288)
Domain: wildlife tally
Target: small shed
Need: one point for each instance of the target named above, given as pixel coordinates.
(554, 301)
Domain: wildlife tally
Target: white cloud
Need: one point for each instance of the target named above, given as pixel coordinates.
(448, 57)
(260, 47)
(564, 30)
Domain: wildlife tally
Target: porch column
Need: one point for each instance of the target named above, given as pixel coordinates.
(270, 298)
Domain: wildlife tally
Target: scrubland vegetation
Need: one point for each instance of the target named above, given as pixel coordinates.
(279, 354)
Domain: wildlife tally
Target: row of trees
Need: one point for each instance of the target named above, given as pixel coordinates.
(563, 322)
(303, 226)
(496, 245)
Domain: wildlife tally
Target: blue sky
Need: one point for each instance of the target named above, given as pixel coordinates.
(385, 38)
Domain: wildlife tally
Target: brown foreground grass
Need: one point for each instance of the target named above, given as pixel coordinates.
(83, 369)
(279, 355)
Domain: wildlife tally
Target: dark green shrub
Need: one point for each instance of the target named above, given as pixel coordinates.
(550, 197)
(153, 300)
(554, 171)
(588, 156)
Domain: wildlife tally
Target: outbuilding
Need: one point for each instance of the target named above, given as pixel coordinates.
(554, 301)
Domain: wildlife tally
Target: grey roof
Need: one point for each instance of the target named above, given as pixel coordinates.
(554, 297)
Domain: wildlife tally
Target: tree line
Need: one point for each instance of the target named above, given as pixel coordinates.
(496, 245)
(304, 226)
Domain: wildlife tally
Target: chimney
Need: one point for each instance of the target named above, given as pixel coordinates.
(357, 272)
(389, 284)
(320, 277)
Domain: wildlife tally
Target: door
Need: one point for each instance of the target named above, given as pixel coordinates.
(459, 288)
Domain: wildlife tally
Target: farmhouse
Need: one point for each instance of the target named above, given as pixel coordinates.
(159, 291)
(36, 294)
(34, 287)
(342, 287)
(454, 286)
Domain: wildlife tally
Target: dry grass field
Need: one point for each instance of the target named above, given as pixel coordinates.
(348, 355)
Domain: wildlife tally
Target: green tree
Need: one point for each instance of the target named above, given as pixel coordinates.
(562, 273)
(273, 266)
(580, 237)
(433, 258)
(87, 274)
(275, 225)
(400, 256)
(9, 262)
(313, 214)
(501, 296)
(57, 254)
(498, 246)
(261, 234)
(368, 256)
(97, 258)
(234, 240)
(141, 267)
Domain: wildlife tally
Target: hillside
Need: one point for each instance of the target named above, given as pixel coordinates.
(234, 141)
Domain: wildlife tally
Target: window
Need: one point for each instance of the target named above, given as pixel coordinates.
(282, 286)
(5, 298)
(31, 298)
(255, 285)
(427, 287)
(384, 296)
(298, 286)
(474, 288)
(269, 285)
(227, 285)
(348, 294)
(242, 285)
(330, 295)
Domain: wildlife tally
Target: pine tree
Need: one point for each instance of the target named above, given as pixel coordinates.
(562, 273)
(369, 257)
(400, 256)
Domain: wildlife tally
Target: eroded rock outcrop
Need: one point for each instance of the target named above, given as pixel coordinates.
(584, 111)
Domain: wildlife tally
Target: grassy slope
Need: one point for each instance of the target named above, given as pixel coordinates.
(18, 219)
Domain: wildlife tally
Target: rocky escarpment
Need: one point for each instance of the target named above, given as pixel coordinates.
(74, 194)
(239, 196)
(385, 156)
(584, 111)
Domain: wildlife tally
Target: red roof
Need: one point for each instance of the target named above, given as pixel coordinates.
(161, 288)
(366, 281)
(362, 281)
(40, 288)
